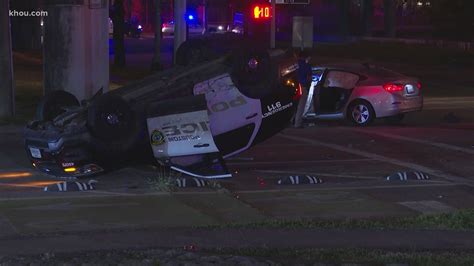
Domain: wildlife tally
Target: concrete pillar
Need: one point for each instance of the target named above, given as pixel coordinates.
(26, 31)
(389, 17)
(76, 54)
(7, 92)
(179, 24)
(367, 12)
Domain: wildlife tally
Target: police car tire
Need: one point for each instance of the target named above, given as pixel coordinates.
(192, 52)
(53, 104)
(254, 82)
(112, 123)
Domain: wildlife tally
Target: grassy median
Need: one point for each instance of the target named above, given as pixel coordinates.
(293, 256)
(459, 220)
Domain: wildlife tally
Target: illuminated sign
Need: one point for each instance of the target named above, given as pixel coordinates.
(262, 12)
(304, 2)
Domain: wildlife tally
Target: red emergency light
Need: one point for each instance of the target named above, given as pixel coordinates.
(261, 12)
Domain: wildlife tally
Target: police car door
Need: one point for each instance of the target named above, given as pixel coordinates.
(180, 137)
(234, 118)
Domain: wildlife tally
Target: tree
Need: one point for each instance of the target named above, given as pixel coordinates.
(7, 93)
(118, 18)
(156, 65)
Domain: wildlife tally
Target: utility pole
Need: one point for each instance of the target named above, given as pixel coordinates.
(204, 16)
(344, 18)
(273, 25)
(179, 24)
(129, 7)
(389, 17)
(156, 65)
(367, 14)
(119, 31)
(7, 91)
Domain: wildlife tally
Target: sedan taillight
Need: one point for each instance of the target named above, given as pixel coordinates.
(391, 87)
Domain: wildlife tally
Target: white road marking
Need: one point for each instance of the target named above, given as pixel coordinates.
(424, 185)
(103, 194)
(425, 142)
(381, 158)
(6, 227)
(451, 108)
(448, 103)
(428, 206)
(319, 174)
(305, 161)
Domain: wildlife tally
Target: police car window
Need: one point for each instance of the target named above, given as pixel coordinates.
(341, 79)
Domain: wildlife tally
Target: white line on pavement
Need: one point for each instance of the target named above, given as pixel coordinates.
(306, 161)
(424, 185)
(398, 137)
(158, 194)
(382, 159)
(320, 174)
(428, 206)
(452, 108)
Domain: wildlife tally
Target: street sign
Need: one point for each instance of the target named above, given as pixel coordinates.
(297, 2)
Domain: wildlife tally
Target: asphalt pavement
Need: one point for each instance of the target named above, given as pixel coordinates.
(352, 163)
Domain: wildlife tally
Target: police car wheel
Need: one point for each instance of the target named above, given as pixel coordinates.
(191, 52)
(112, 122)
(54, 104)
(253, 72)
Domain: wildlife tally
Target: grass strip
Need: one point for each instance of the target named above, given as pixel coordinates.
(462, 220)
(351, 256)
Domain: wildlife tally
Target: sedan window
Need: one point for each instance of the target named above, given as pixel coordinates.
(341, 79)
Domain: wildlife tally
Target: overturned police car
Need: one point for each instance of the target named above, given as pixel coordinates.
(211, 106)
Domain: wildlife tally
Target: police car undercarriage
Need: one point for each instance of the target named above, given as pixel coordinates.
(189, 118)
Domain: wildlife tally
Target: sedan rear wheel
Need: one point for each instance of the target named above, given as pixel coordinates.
(361, 113)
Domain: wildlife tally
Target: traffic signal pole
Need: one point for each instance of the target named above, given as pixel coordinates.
(179, 25)
(273, 25)
(7, 92)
